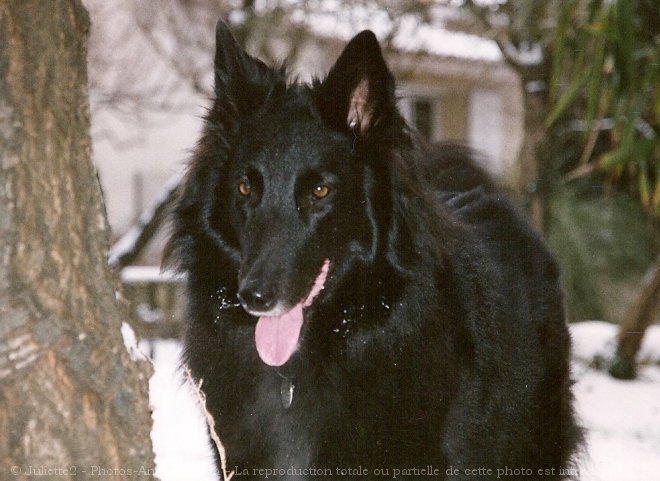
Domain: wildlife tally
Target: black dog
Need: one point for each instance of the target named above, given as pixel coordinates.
(361, 306)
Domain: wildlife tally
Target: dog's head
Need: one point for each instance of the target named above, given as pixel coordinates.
(289, 185)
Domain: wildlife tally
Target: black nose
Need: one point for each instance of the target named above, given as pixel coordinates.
(254, 299)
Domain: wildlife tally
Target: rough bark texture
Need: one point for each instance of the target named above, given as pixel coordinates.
(70, 396)
(638, 319)
(534, 146)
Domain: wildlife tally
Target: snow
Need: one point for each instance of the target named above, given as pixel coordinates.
(128, 242)
(179, 438)
(621, 418)
(148, 275)
(412, 35)
(130, 342)
(597, 340)
(623, 425)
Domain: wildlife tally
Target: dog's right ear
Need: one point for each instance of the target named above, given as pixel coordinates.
(241, 80)
(358, 93)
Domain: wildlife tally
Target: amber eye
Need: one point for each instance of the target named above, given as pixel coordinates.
(244, 188)
(321, 191)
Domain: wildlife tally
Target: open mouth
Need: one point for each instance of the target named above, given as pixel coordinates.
(277, 337)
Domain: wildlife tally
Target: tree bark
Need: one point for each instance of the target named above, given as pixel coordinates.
(535, 76)
(533, 148)
(637, 320)
(72, 402)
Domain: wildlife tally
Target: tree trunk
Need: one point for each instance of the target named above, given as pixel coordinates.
(638, 319)
(532, 151)
(72, 402)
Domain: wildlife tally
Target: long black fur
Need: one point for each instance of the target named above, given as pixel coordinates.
(439, 338)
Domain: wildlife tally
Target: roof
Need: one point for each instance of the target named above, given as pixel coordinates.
(335, 19)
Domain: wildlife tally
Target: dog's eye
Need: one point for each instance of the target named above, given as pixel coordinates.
(321, 191)
(244, 188)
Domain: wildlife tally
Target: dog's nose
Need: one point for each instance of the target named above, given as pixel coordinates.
(256, 300)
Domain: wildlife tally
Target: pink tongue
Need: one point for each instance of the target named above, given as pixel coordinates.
(277, 337)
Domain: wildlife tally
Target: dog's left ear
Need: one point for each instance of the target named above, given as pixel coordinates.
(358, 93)
(240, 79)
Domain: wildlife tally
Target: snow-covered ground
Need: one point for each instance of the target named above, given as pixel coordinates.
(179, 431)
(622, 418)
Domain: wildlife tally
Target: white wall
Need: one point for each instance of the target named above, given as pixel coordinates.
(485, 132)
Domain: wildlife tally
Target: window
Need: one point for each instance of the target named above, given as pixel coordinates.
(420, 107)
(422, 113)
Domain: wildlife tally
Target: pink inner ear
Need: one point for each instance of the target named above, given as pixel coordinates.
(359, 110)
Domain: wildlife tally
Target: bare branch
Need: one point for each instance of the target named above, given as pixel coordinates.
(580, 171)
(518, 57)
(131, 244)
(210, 420)
(174, 61)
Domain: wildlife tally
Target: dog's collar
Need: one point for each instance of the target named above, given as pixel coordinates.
(286, 391)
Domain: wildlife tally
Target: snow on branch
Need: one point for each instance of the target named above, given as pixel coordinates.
(130, 245)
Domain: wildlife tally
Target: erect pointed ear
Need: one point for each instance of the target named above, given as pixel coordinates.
(358, 93)
(241, 79)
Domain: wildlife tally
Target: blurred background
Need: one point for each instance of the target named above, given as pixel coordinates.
(561, 99)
